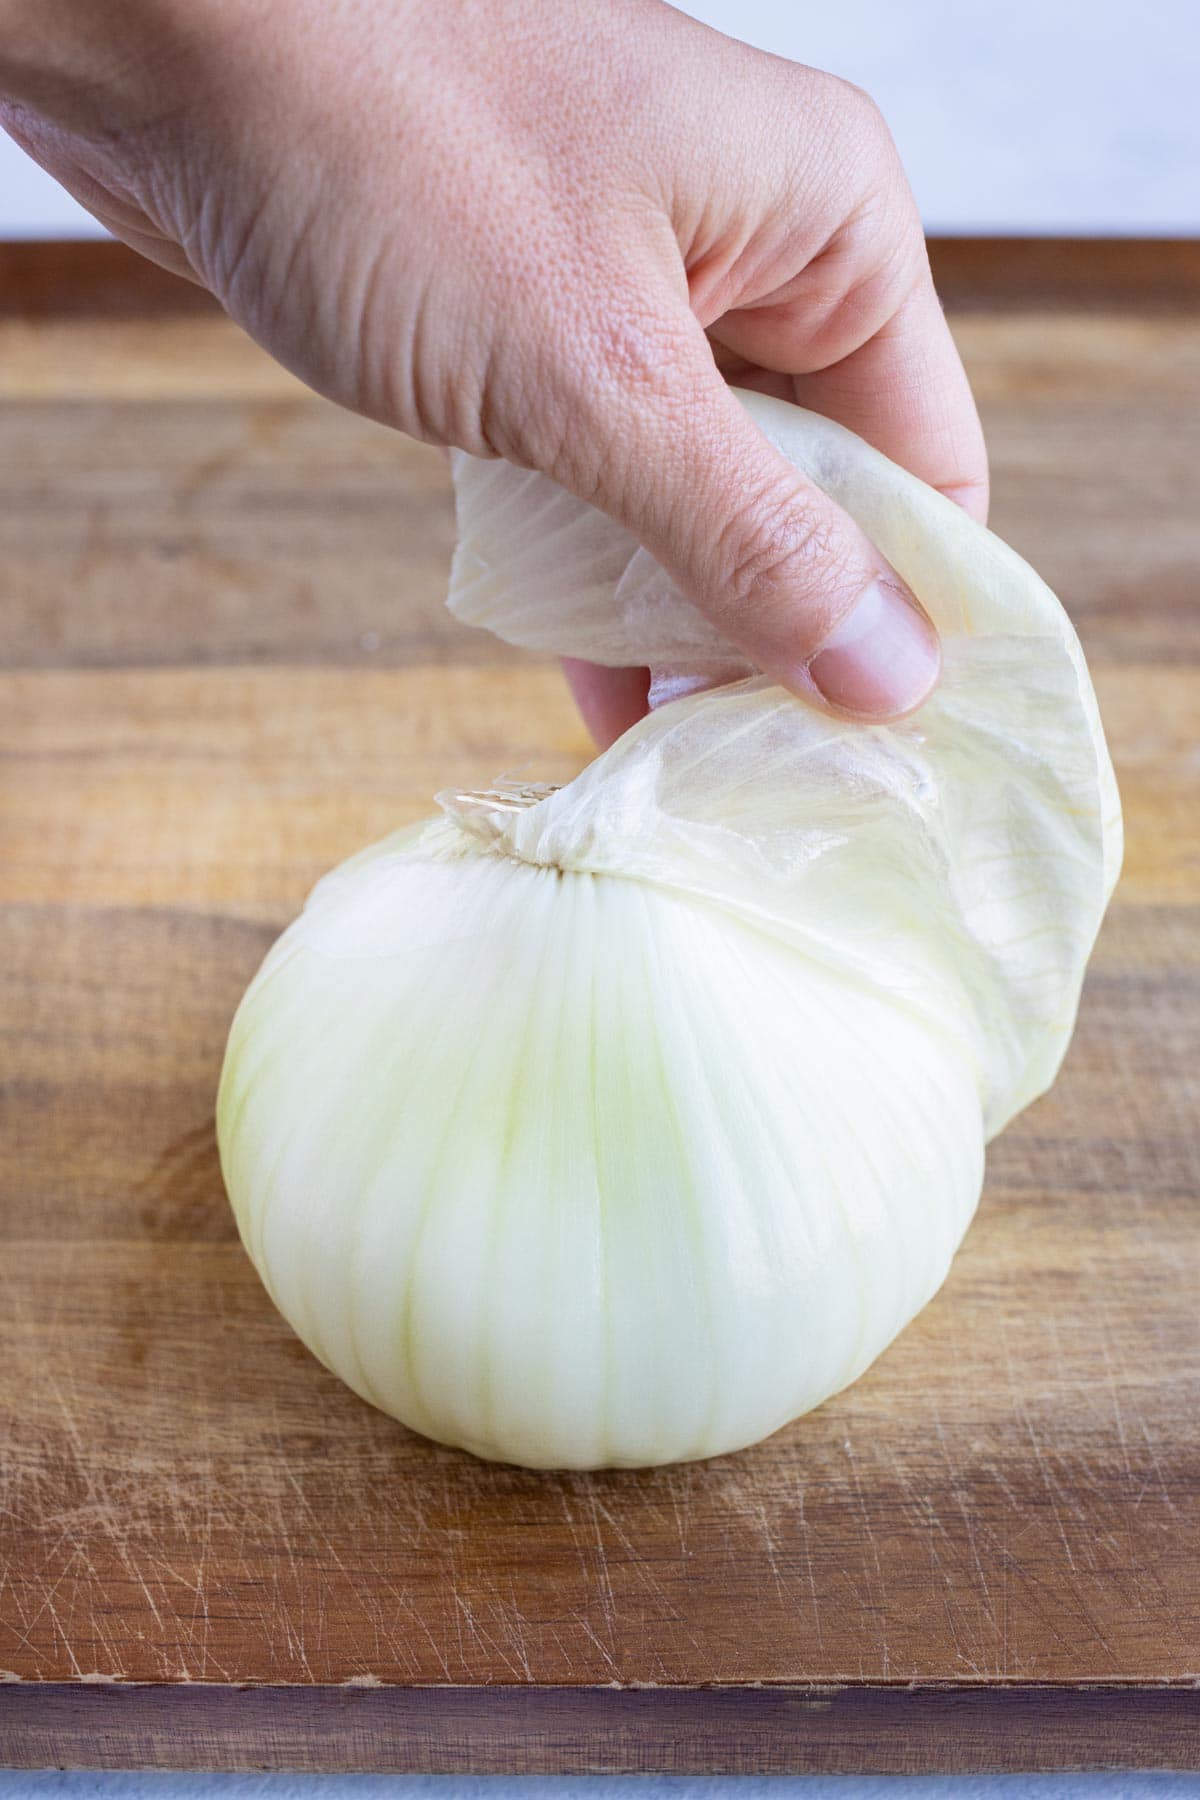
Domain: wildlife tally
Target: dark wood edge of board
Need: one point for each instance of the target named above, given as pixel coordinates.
(99, 278)
(899, 1729)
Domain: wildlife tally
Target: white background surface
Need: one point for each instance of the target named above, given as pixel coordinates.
(1011, 115)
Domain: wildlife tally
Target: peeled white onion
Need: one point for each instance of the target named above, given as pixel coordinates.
(623, 1124)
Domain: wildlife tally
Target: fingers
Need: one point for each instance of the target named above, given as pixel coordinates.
(903, 388)
(907, 393)
(610, 700)
(857, 329)
(784, 574)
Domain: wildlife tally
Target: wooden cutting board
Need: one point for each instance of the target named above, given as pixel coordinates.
(225, 666)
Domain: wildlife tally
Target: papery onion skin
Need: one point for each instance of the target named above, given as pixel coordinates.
(625, 1126)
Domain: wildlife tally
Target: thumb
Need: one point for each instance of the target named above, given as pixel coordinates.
(785, 575)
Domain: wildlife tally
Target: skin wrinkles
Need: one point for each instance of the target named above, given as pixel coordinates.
(550, 232)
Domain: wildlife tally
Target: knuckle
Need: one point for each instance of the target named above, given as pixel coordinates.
(613, 370)
(849, 110)
(635, 352)
(782, 553)
(862, 111)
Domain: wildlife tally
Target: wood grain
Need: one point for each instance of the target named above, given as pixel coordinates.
(168, 495)
(223, 665)
(541, 1730)
(101, 278)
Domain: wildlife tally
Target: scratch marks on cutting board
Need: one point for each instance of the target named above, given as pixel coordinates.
(158, 1522)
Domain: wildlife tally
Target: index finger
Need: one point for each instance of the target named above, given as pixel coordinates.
(904, 390)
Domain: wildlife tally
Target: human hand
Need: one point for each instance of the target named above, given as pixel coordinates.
(549, 232)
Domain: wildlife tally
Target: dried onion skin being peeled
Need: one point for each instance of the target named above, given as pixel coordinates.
(623, 1124)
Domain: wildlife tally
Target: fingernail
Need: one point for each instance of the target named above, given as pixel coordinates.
(883, 659)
